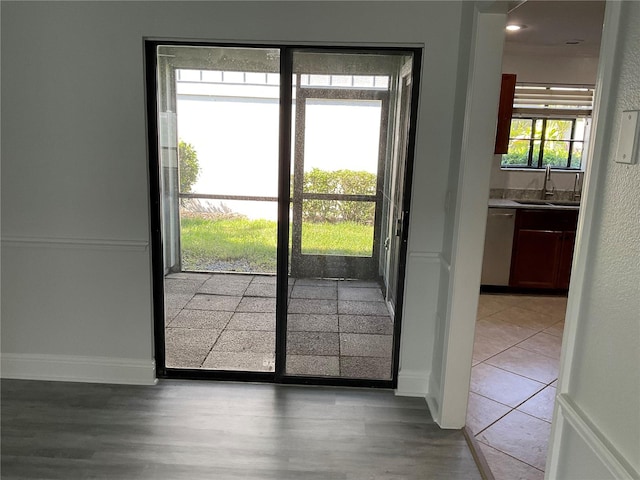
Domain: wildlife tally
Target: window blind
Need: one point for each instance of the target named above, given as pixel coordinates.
(553, 100)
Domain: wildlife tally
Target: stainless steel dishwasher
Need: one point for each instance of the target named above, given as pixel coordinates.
(498, 243)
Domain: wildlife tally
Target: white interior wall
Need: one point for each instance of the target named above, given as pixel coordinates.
(539, 65)
(75, 222)
(458, 302)
(596, 428)
(451, 204)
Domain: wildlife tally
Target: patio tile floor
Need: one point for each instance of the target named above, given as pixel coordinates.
(365, 367)
(313, 343)
(377, 324)
(252, 321)
(353, 307)
(227, 322)
(317, 293)
(201, 319)
(307, 322)
(313, 365)
(365, 345)
(213, 302)
(360, 294)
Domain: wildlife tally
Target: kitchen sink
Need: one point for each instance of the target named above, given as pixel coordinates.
(532, 202)
(551, 203)
(565, 203)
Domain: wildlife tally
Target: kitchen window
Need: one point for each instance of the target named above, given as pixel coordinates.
(550, 127)
(538, 142)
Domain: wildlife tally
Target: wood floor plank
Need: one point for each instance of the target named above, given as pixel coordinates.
(192, 430)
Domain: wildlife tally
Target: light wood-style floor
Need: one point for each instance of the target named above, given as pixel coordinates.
(217, 430)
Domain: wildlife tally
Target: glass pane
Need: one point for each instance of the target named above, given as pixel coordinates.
(219, 113)
(581, 126)
(353, 127)
(234, 130)
(521, 128)
(555, 154)
(518, 153)
(228, 236)
(339, 182)
(576, 154)
(558, 129)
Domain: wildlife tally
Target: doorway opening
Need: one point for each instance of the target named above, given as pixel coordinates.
(280, 180)
(525, 274)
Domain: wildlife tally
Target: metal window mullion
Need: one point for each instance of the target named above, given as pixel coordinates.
(531, 142)
(542, 140)
(573, 133)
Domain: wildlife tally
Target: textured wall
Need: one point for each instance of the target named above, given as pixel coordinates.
(605, 382)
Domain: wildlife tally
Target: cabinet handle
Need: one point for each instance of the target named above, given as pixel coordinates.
(501, 214)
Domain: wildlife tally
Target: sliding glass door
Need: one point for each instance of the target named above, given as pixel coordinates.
(278, 180)
(338, 322)
(218, 124)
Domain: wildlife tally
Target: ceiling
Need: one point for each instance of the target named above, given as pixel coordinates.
(551, 24)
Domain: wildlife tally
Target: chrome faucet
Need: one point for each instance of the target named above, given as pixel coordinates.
(577, 188)
(547, 178)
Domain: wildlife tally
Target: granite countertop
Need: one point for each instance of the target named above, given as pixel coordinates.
(537, 204)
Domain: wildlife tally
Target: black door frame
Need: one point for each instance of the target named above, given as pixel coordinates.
(279, 375)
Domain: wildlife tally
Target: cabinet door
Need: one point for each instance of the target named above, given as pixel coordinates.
(535, 259)
(566, 258)
(505, 110)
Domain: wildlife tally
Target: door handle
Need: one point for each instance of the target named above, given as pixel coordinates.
(399, 224)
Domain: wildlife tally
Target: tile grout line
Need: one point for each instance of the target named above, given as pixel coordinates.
(217, 338)
(509, 455)
(512, 409)
(520, 375)
(496, 420)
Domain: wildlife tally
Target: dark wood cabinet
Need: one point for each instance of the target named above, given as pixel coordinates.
(505, 111)
(566, 259)
(543, 244)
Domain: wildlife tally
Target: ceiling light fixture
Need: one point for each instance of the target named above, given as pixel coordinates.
(515, 28)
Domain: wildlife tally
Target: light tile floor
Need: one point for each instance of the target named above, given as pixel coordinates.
(227, 322)
(515, 366)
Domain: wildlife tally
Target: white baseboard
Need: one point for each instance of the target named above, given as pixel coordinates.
(67, 368)
(611, 458)
(412, 383)
(433, 397)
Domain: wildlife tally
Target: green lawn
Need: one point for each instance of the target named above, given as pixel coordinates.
(250, 245)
